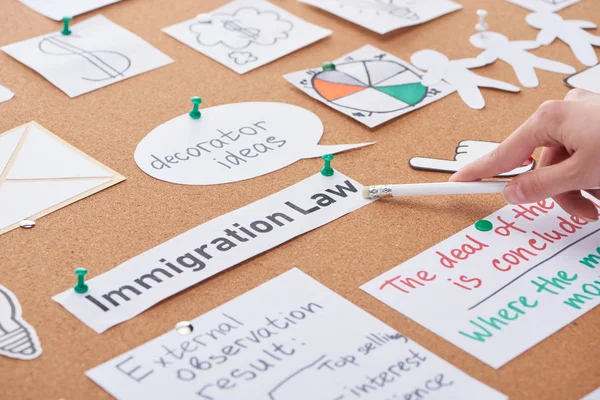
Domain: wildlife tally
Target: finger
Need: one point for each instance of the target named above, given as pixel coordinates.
(578, 95)
(575, 204)
(518, 171)
(553, 155)
(544, 182)
(542, 129)
(595, 193)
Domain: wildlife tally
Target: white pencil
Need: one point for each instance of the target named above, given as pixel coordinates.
(433, 189)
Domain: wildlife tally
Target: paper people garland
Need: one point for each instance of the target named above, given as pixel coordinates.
(497, 47)
(571, 32)
(458, 74)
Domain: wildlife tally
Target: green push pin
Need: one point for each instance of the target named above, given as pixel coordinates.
(327, 170)
(328, 66)
(195, 114)
(81, 287)
(66, 31)
(484, 225)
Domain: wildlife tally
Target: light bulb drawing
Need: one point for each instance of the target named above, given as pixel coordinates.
(18, 339)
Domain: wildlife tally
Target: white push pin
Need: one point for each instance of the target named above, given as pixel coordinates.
(204, 18)
(482, 25)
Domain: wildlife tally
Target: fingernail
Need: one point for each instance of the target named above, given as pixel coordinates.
(590, 219)
(513, 194)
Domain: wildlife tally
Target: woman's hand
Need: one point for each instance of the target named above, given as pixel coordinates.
(569, 130)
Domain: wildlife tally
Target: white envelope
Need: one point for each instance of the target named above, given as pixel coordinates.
(41, 173)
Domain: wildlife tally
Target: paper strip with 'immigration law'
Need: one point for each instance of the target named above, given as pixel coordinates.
(496, 294)
(136, 285)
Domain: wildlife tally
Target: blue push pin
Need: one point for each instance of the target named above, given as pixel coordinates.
(195, 113)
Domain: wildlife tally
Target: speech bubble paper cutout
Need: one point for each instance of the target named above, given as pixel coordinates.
(232, 142)
(18, 339)
(466, 152)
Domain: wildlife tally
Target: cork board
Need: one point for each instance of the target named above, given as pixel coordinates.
(106, 229)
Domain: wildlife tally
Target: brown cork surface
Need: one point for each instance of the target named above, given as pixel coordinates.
(106, 229)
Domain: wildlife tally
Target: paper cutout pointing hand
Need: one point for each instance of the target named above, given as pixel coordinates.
(466, 152)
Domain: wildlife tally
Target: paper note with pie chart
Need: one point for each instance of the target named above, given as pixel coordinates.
(370, 86)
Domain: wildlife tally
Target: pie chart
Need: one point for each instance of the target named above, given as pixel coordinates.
(373, 86)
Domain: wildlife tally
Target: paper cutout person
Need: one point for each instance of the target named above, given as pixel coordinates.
(572, 32)
(466, 152)
(456, 73)
(497, 46)
(18, 339)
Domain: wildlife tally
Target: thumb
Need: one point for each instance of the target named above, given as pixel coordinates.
(543, 183)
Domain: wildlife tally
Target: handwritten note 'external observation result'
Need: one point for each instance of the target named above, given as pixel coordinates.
(138, 284)
(308, 344)
(495, 294)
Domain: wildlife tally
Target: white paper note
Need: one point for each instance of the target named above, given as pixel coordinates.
(40, 173)
(495, 294)
(246, 34)
(232, 142)
(138, 284)
(595, 395)
(544, 5)
(369, 85)
(588, 79)
(57, 9)
(97, 53)
(309, 344)
(5, 94)
(385, 16)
